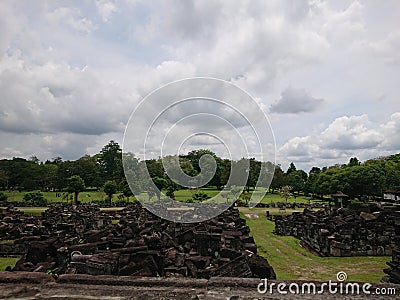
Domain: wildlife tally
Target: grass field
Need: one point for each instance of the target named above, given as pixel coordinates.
(291, 261)
(7, 261)
(180, 195)
(83, 197)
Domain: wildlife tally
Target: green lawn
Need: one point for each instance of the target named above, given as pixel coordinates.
(180, 195)
(291, 261)
(7, 261)
(36, 211)
(83, 197)
(184, 194)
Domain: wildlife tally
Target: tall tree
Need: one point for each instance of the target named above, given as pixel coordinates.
(87, 168)
(110, 188)
(3, 179)
(110, 161)
(159, 185)
(155, 167)
(286, 192)
(291, 169)
(279, 179)
(310, 184)
(296, 180)
(195, 155)
(354, 162)
(75, 185)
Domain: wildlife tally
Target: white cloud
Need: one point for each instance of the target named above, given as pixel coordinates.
(391, 131)
(354, 132)
(106, 9)
(71, 17)
(388, 48)
(77, 69)
(343, 138)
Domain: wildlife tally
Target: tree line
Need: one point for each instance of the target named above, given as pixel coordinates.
(105, 171)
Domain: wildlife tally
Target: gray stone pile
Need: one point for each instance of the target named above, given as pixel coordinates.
(84, 240)
(142, 244)
(369, 231)
(393, 271)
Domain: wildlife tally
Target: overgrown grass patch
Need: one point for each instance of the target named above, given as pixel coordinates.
(7, 261)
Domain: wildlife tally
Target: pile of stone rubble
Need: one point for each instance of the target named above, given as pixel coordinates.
(84, 240)
(342, 232)
(393, 271)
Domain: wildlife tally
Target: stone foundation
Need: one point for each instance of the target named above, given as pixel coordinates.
(342, 232)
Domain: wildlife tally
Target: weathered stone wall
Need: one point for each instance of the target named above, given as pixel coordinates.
(342, 232)
(23, 285)
(393, 271)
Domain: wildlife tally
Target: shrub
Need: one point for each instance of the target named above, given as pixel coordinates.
(36, 198)
(121, 201)
(3, 196)
(200, 196)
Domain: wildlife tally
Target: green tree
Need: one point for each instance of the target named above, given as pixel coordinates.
(279, 179)
(49, 176)
(110, 188)
(110, 161)
(195, 156)
(125, 189)
(296, 180)
(3, 197)
(291, 169)
(310, 184)
(200, 196)
(88, 169)
(246, 196)
(3, 179)
(225, 171)
(170, 191)
(286, 192)
(155, 167)
(354, 162)
(235, 192)
(34, 159)
(159, 185)
(325, 184)
(35, 197)
(65, 170)
(75, 184)
(254, 173)
(240, 172)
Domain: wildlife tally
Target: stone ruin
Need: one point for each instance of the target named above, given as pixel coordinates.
(393, 271)
(370, 231)
(84, 240)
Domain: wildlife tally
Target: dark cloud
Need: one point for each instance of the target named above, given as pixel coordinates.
(295, 101)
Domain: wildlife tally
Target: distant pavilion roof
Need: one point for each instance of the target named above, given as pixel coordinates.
(390, 191)
(339, 194)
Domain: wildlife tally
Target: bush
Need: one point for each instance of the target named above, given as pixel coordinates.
(36, 198)
(121, 201)
(3, 196)
(200, 196)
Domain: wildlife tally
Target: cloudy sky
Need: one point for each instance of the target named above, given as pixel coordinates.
(326, 73)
